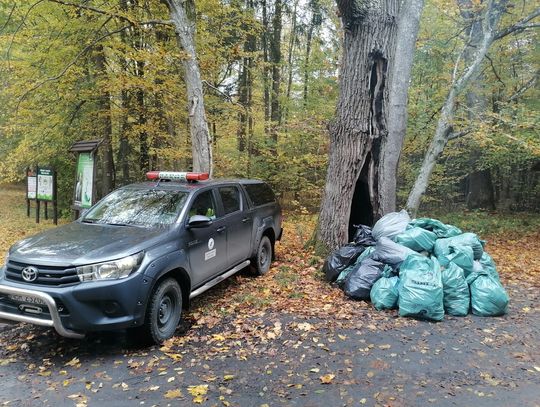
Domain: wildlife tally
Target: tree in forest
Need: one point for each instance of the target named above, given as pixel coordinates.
(182, 16)
(370, 88)
(474, 52)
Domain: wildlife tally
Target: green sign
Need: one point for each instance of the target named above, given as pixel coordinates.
(85, 180)
(45, 184)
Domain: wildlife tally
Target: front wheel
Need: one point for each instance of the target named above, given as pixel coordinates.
(164, 311)
(262, 260)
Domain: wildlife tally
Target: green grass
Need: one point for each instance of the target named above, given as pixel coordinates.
(486, 223)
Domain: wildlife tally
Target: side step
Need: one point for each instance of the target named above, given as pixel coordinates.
(219, 279)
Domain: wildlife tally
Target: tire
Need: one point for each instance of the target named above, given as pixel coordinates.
(164, 312)
(262, 260)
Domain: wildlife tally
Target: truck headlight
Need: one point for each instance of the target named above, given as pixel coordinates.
(110, 270)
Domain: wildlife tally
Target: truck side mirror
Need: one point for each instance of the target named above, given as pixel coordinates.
(199, 221)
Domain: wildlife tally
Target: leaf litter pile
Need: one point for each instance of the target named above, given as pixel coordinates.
(288, 338)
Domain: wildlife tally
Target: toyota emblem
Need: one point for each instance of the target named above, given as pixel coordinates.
(30, 274)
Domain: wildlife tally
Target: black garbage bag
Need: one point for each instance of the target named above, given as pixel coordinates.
(360, 280)
(363, 236)
(338, 260)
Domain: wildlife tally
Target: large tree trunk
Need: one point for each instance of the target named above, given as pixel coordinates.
(104, 101)
(400, 74)
(479, 187)
(266, 69)
(361, 116)
(444, 131)
(245, 89)
(200, 136)
(275, 53)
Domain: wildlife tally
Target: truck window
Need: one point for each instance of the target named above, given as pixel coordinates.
(204, 205)
(260, 194)
(230, 196)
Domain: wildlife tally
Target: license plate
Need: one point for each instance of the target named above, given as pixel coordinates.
(27, 299)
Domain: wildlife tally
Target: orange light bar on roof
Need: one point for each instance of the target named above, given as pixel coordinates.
(176, 176)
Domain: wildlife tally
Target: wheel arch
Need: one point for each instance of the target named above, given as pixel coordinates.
(182, 277)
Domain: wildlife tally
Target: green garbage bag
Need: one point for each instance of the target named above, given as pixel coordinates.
(384, 293)
(489, 265)
(417, 239)
(462, 256)
(488, 296)
(420, 288)
(436, 226)
(442, 246)
(343, 275)
(456, 296)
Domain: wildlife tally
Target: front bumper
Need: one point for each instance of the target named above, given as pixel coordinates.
(55, 320)
(73, 310)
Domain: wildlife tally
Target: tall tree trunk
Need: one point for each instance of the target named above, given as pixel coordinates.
(316, 20)
(104, 101)
(144, 153)
(200, 136)
(361, 115)
(444, 131)
(407, 32)
(292, 43)
(266, 68)
(123, 151)
(275, 52)
(479, 188)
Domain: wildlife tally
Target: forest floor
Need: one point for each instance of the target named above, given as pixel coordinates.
(290, 339)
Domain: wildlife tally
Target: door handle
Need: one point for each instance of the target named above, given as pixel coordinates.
(245, 220)
(221, 229)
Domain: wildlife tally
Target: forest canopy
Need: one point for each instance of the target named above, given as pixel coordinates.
(113, 70)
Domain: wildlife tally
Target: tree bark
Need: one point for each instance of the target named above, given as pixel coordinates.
(316, 19)
(444, 130)
(407, 32)
(292, 43)
(275, 53)
(104, 101)
(201, 145)
(361, 116)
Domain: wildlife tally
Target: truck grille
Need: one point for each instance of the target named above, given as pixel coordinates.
(47, 275)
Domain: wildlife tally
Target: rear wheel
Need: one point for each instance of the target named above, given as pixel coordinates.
(164, 311)
(262, 260)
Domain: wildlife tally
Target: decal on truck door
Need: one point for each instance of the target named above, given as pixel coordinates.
(211, 253)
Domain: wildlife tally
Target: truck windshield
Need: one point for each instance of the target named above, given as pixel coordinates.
(138, 207)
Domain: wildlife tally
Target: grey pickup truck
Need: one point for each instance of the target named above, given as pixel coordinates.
(136, 258)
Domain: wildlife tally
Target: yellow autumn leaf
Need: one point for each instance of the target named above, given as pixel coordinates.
(228, 377)
(198, 392)
(327, 378)
(173, 394)
(74, 362)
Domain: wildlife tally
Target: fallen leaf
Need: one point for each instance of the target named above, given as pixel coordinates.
(173, 394)
(327, 378)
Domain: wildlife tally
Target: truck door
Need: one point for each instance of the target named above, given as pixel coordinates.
(239, 222)
(207, 246)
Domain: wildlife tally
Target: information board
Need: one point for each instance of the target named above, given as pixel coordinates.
(31, 184)
(45, 184)
(85, 180)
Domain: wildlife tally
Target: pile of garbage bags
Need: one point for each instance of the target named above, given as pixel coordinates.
(423, 267)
